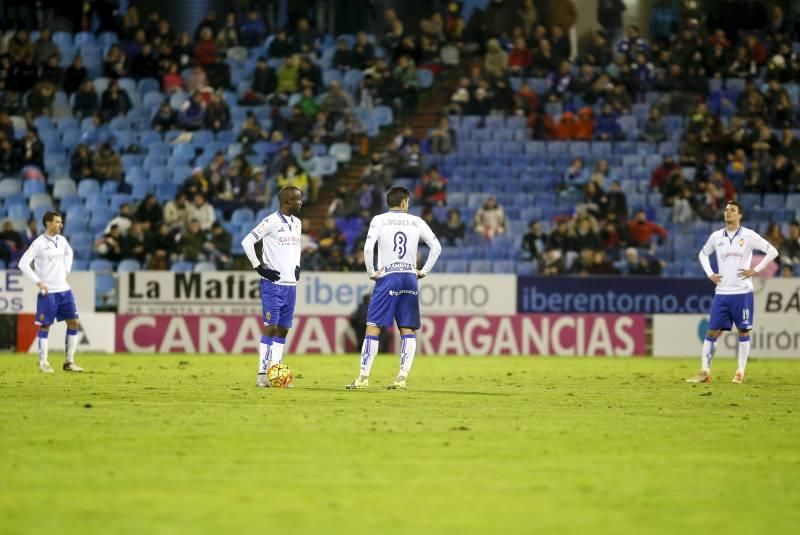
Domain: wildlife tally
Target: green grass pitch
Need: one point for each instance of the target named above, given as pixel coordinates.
(187, 444)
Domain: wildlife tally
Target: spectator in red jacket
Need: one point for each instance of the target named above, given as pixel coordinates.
(520, 57)
(567, 126)
(642, 230)
(757, 50)
(433, 188)
(584, 129)
(205, 50)
(661, 173)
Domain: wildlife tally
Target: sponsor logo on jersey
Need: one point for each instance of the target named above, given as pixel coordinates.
(395, 293)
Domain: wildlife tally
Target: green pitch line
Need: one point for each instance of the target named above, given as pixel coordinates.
(187, 444)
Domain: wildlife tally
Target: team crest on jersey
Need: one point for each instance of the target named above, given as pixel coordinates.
(741, 242)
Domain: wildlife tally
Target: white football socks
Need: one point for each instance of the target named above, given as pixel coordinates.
(276, 356)
(264, 354)
(743, 352)
(368, 351)
(408, 348)
(709, 347)
(41, 339)
(72, 345)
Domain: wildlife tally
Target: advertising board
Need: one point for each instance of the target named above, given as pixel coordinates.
(18, 294)
(238, 292)
(774, 335)
(96, 334)
(543, 334)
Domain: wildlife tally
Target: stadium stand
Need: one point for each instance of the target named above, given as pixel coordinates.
(633, 145)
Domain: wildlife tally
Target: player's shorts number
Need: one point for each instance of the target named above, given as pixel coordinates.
(745, 314)
(400, 244)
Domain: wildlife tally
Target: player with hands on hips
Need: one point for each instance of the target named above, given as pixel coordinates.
(51, 256)
(279, 268)
(733, 298)
(395, 298)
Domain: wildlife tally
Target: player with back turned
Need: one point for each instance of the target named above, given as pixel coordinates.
(279, 267)
(51, 256)
(395, 297)
(733, 299)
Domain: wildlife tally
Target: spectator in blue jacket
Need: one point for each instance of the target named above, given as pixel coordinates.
(607, 127)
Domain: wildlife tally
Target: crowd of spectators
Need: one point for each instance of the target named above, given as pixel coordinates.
(287, 80)
(734, 93)
(184, 229)
(738, 137)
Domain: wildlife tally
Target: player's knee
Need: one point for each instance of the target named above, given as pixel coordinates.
(713, 333)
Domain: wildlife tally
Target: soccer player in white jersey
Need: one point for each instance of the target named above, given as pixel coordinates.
(395, 297)
(51, 256)
(279, 267)
(733, 300)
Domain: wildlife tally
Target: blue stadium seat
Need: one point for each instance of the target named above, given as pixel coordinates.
(457, 266)
(182, 266)
(101, 215)
(10, 186)
(480, 266)
(205, 266)
(88, 186)
(118, 199)
(502, 266)
(105, 286)
(80, 264)
(32, 187)
(242, 215)
(128, 264)
(773, 201)
(101, 265)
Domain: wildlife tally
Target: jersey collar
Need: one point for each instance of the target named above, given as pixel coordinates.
(53, 239)
(731, 238)
(283, 218)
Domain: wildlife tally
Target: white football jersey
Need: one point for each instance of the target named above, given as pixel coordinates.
(52, 261)
(734, 252)
(280, 237)
(397, 234)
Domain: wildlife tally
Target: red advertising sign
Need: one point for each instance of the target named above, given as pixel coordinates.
(523, 334)
(534, 334)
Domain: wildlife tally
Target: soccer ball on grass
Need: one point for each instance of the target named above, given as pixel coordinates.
(279, 376)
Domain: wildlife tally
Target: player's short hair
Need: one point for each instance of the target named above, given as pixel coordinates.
(738, 206)
(285, 191)
(396, 195)
(49, 216)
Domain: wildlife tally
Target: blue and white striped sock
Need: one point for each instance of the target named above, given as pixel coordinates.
(368, 351)
(264, 353)
(408, 347)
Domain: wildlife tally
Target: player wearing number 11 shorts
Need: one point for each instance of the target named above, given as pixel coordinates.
(396, 295)
(733, 299)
